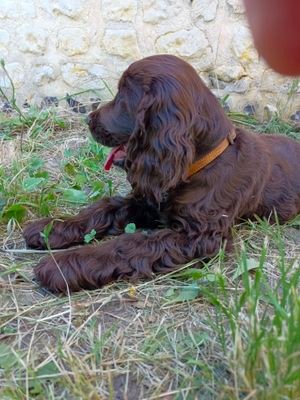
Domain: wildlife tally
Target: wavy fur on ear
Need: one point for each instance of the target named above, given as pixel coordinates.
(161, 140)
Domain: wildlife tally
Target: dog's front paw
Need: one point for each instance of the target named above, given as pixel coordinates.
(33, 233)
(61, 234)
(69, 271)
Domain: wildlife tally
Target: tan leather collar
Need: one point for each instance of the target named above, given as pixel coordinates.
(212, 155)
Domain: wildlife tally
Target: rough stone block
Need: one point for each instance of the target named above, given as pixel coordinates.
(229, 73)
(237, 6)
(206, 9)
(240, 86)
(184, 43)
(84, 75)
(74, 74)
(121, 42)
(4, 37)
(73, 41)
(71, 9)
(15, 9)
(155, 11)
(32, 39)
(44, 74)
(4, 41)
(242, 44)
(16, 73)
(124, 10)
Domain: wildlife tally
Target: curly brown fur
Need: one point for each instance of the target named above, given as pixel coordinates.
(168, 118)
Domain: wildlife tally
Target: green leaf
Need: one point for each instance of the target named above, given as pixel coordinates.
(130, 228)
(36, 163)
(89, 237)
(74, 196)
(91, 164)
(97, 190)
(187, 293)
(70, 169)
(170, 292)
(293, 377)
(31, 184)
(8, 359)
(48, 369)
(35, 388)
(8, 329)
(196, 274)
(16, 211)
(80, 180)
(210, 277)
(68, 153)
(251, 263)
(47, 230)
(44, 209)
(45, 203)
(191, 273)
(41, 174)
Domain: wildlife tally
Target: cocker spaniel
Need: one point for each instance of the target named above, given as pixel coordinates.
(193, 176)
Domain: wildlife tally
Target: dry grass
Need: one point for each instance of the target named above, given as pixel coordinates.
(209, 333)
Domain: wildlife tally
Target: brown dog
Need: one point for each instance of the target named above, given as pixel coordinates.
(193, 176)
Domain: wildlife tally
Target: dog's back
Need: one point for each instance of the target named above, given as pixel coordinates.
(282, 191)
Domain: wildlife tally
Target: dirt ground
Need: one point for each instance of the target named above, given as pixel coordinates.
(228, 329)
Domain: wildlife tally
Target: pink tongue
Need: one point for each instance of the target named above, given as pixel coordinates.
(115, 154)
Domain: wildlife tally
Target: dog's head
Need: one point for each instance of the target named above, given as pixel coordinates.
(161, 113)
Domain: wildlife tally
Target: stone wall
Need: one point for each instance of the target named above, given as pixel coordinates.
(56, 46)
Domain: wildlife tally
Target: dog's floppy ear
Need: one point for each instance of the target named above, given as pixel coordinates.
(160, 148)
